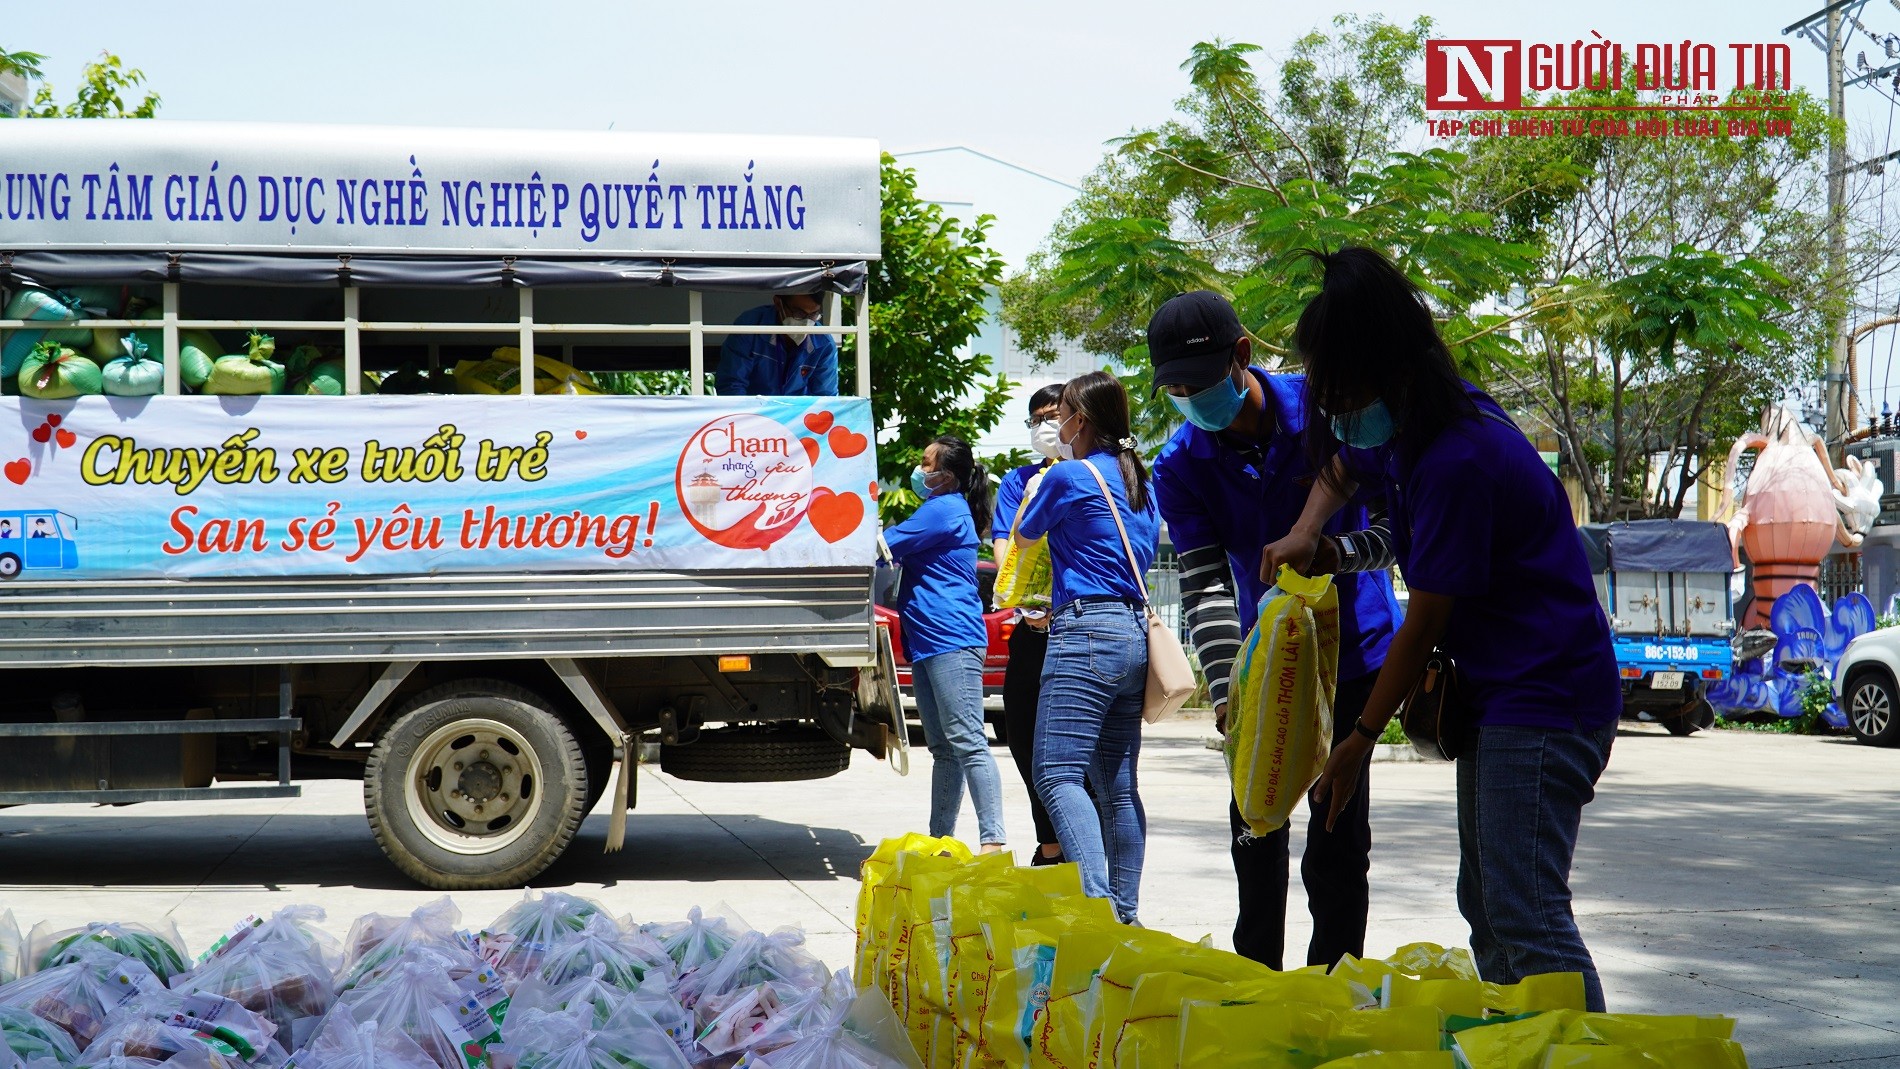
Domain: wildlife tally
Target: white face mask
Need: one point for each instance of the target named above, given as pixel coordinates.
(798, 321)
(1064, 450)
(1043, 437)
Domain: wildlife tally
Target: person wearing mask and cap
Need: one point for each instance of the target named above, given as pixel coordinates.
(795, 364)
(1231, 482)
(1029, 639)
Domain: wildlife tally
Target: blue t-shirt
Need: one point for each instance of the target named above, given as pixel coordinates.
(1085, 549)
(1481, 518)
(1009, 498)
(1212, 494)
(938, 598)
(770, 365)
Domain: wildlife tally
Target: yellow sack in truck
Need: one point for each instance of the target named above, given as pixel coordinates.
(501, 373)
(1280, 712)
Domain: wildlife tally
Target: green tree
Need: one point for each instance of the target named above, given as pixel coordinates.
(1686, 289)
(103, 88)
(1226, 195)
(24, 64)
(928, 300)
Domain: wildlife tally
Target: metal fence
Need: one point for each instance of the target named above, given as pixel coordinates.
(1841, 574)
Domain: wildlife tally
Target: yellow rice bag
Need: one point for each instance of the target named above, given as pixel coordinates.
(1668, 1054)
(1260, 1035)
(1280, 720)
(875, 920)
(1024, 954)
(1062, 1029)
(1016, 894)
(1143, 952)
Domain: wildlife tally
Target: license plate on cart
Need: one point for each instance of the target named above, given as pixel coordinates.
(1665, 681)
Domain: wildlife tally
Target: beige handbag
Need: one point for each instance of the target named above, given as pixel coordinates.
(1170, 676)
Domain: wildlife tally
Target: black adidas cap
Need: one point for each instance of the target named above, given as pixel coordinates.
(1191, 340)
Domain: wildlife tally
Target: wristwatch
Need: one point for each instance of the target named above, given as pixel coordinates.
(1347, 552)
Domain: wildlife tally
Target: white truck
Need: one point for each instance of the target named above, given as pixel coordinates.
(479, 596)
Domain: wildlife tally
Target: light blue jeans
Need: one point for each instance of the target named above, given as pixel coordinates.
(1088, 728)
(1521, 794)
(949, 690)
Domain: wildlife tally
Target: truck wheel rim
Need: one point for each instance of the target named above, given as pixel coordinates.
(475, 786)
(1871, 709)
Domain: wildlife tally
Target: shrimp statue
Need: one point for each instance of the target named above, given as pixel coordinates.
(1790, 514)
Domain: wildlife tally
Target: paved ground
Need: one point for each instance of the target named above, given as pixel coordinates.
(1742, 874)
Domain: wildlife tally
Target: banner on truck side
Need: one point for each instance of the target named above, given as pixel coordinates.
(235, 187)
(122, 487)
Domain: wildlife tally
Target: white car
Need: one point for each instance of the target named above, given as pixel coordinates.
(1865, 686)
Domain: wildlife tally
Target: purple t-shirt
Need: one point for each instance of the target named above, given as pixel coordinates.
(1481, 518)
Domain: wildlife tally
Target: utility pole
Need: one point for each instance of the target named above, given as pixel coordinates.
(1836, 382)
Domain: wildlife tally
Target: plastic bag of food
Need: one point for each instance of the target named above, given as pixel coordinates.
(198, 350)
(631, 1040)
(418, 998)
(11, 964)
(1280, 727)
(161, 949)
(754, 958)
(623, 961)
(117, 1058)
(590, 998)
(34, 1039)
(862, 1034)
(145, 1037)
(698, 940)
(377, 940)
(659, 1005)
(247, 373)
(529, 929)
(353, 1045)
(78, 995)
(286, 982)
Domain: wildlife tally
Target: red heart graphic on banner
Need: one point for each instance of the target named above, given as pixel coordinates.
(65, 438)
(582, 435)
(52, 420)
(846, 443)
(818, 422)
(833, 515)
(811, 448)
(43, 433)
(18, 470)
(873, 491)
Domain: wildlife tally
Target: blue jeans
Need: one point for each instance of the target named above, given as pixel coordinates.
(949, 690)
(1088, 728)
(1521, 795)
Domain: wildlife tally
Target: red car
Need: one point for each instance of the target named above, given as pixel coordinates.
(995, 661)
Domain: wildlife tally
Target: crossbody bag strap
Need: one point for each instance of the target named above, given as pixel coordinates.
(1133, 565)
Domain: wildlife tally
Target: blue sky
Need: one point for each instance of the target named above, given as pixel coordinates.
(1041, 83)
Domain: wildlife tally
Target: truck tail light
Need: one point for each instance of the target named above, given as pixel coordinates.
(1632, 673)
(1711, 673)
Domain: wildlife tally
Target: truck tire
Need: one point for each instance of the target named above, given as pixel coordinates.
(1872, 707)
(475, 784)
(757, 755)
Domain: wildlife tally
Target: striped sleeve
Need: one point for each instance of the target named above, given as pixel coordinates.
(1207, 599)
(1370, 549)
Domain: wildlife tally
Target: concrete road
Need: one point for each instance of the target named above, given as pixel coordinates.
(1727, 873)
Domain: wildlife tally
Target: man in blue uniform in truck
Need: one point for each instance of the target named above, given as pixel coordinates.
(796, 364)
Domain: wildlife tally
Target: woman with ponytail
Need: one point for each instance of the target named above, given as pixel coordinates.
(945, 635)
(1096, 507)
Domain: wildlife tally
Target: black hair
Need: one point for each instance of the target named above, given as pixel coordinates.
(973, 479)
(1103, 401)
(1043, 398)
(1368, 335)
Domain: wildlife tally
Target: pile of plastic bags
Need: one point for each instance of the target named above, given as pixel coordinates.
(990, 965)
(554, 983)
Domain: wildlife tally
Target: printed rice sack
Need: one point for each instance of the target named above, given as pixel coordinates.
(1280, 718)
(501, 373)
